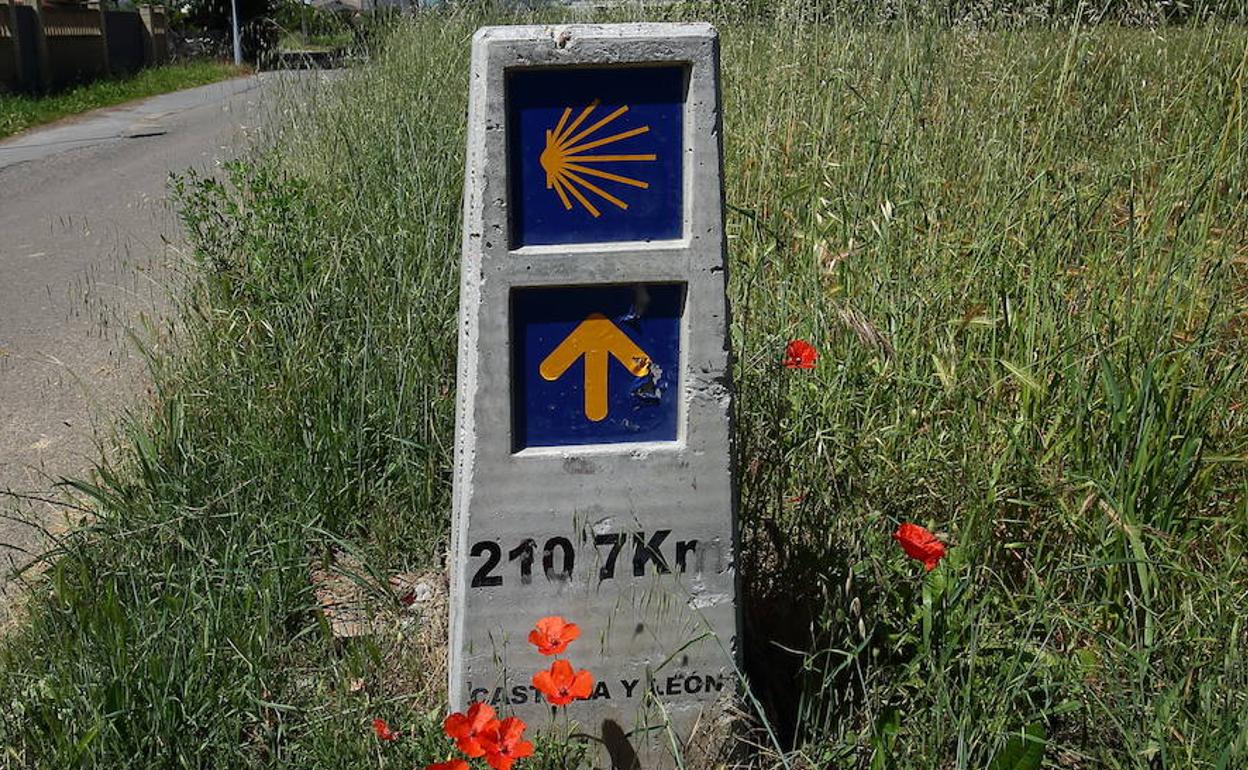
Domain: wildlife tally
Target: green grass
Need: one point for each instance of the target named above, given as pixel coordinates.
(18, 112)
(1023, 256)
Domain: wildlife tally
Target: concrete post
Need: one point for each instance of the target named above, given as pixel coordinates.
(13, 81)
(98, 7)
(592, 467)
(156, 38)
(149, 45)
(43, 63)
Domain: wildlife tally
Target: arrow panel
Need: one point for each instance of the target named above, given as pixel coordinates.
(595, 364)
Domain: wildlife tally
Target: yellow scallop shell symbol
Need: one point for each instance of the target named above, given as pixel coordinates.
(564, 161)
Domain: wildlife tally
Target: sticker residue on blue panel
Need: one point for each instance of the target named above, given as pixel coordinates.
(595, 364)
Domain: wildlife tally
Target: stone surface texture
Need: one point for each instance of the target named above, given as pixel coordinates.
(662, 646)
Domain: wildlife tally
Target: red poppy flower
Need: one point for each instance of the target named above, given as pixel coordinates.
(551, 635)
(919, 543)
(454, 764)
(469, 729)
(384, 733)
(561, 686)
(800, 354)
(504, 744)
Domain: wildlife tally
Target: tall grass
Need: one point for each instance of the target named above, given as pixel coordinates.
(1023, 257)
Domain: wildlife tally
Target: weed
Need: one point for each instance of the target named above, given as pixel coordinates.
(1021, 257)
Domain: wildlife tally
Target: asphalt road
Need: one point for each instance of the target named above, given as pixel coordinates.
(90, 249)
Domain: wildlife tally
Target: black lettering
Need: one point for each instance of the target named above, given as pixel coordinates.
(616, 540)
(498, 697)
(483, 578)
(651, 551)
(711, 681)
(683, 548)
(600, 691)
(519, 694)
(673, 686)
(478, 694)
(524, 552)
(693, 684)
(537, 695)
(628, 687)
(548, 558)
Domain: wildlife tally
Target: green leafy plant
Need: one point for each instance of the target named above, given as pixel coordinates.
(1023, 751)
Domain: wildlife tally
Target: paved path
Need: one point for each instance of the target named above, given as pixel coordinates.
(88, 248)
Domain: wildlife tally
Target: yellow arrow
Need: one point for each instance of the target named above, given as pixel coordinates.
(595, 338)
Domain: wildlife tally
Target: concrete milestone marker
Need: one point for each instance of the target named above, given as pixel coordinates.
(592, 470)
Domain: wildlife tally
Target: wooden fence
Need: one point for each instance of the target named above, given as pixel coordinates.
(48, 47)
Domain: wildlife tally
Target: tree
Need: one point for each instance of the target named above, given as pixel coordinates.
(259, 32)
